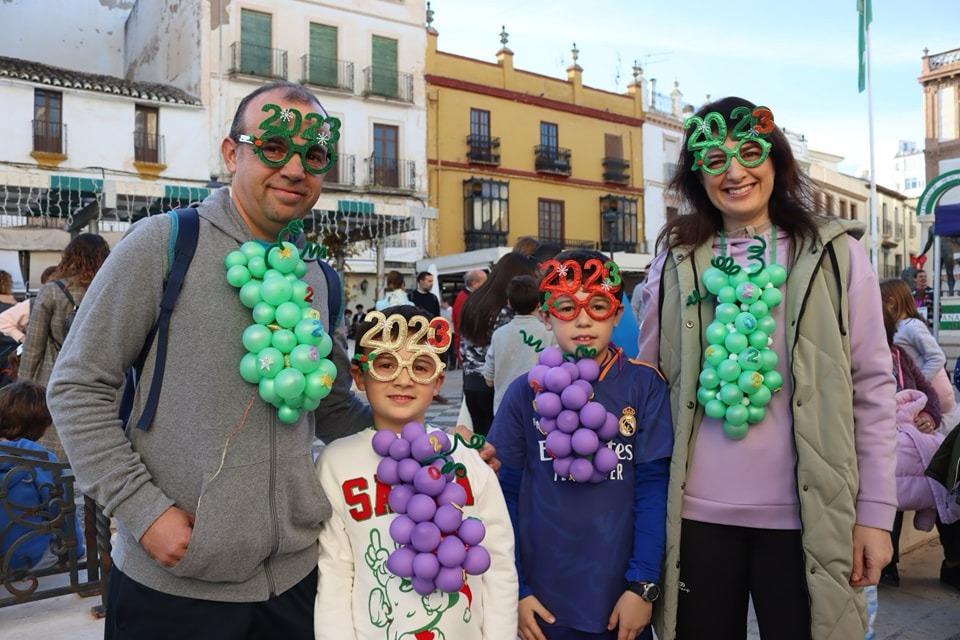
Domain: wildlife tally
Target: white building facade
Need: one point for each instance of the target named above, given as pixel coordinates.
(85, 149)
(662, 146)
(364, 60)
(909, 169)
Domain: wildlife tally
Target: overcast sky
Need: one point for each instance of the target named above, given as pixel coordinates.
(799, 58)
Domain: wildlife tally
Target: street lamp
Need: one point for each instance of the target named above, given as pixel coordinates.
(610, 217)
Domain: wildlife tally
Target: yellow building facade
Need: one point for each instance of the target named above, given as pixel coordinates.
(512, 153)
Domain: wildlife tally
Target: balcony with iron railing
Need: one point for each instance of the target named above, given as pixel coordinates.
(615, 170)
(148, 147)
(571, 243)
(342, 173)
(549, 159)
(887, 229)
(618, 245)
(391, 174)
(898, 232)
(945, 58)
(326, 72)
(388, 83)
(255, 60)
(474, 239)
(483, 149)
(49, 137)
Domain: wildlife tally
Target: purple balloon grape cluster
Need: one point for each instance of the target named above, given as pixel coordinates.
(438, 546)
(577, 428)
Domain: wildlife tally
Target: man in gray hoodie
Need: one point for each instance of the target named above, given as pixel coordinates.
(217, 504)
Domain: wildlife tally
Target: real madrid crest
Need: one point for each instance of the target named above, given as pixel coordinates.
(628, 422)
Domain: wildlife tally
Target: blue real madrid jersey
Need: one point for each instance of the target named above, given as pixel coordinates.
(579, 544)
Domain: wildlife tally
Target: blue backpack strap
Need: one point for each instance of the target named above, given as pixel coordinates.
(334, 293)
(184, 235)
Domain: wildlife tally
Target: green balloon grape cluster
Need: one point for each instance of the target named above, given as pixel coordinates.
(739, 373)
(286, 345)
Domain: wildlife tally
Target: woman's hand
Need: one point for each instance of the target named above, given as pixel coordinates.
(924, 423)
(529, 609)
(872, 551)
(630, 615)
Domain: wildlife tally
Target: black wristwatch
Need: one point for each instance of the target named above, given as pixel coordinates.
(649, 591)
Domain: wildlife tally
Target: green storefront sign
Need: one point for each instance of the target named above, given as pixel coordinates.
(950, 317)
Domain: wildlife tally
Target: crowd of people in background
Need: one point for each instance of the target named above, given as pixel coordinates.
(32, 331)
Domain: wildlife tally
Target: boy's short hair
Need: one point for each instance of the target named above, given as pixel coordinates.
(23, 411)
(523, 294)
(581, 256)
(405, 310)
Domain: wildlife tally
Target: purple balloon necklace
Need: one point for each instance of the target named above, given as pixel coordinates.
(437, 546)
(576, 427)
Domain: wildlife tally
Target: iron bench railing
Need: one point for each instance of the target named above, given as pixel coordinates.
(54, 516)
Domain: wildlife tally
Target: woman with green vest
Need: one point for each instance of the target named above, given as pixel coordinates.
(766, 321)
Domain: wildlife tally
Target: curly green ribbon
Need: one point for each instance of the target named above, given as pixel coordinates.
(585, 352)
(695, 297)
(756, 252)
(292, 231)
(531, 341)
(476, 442)
(725, 264)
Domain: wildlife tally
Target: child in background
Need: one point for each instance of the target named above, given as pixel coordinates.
(589, 552)
(514, 346)
(23, 419)
(397, 364)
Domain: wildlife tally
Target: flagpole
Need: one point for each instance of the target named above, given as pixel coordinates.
(874, 235)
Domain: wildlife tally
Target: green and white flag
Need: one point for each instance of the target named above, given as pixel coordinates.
(865, 12)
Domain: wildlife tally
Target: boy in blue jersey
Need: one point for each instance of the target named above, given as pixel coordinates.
(588, 554)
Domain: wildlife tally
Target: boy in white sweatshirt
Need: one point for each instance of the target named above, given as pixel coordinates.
(359, 597)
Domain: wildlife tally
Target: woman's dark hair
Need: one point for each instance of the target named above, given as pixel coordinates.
(791, 203)
(394, 281)
(581, 256)
(482, 306)
(23, 411)
(82, 259)
(406, 310)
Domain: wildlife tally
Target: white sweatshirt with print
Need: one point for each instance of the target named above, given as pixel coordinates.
(358, 599)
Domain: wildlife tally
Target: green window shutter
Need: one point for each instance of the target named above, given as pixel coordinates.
(323, 55)
(384, 66)
(255, 54)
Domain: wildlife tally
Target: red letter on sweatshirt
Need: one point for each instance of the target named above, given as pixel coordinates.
(355, 497)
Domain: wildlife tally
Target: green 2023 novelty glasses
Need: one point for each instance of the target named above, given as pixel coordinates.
(275, 146)
(707, 141)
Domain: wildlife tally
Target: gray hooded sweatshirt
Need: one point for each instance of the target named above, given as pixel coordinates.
(215, 448)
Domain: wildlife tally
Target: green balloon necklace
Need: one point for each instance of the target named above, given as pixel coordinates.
(287, 347)
(739, 374)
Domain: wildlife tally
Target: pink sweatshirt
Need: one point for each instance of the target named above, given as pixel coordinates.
(13, 321)
(752, 482)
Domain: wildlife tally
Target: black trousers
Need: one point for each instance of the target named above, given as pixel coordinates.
(950, 539)
(721, 567)
(480, 406)
(137, 612)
